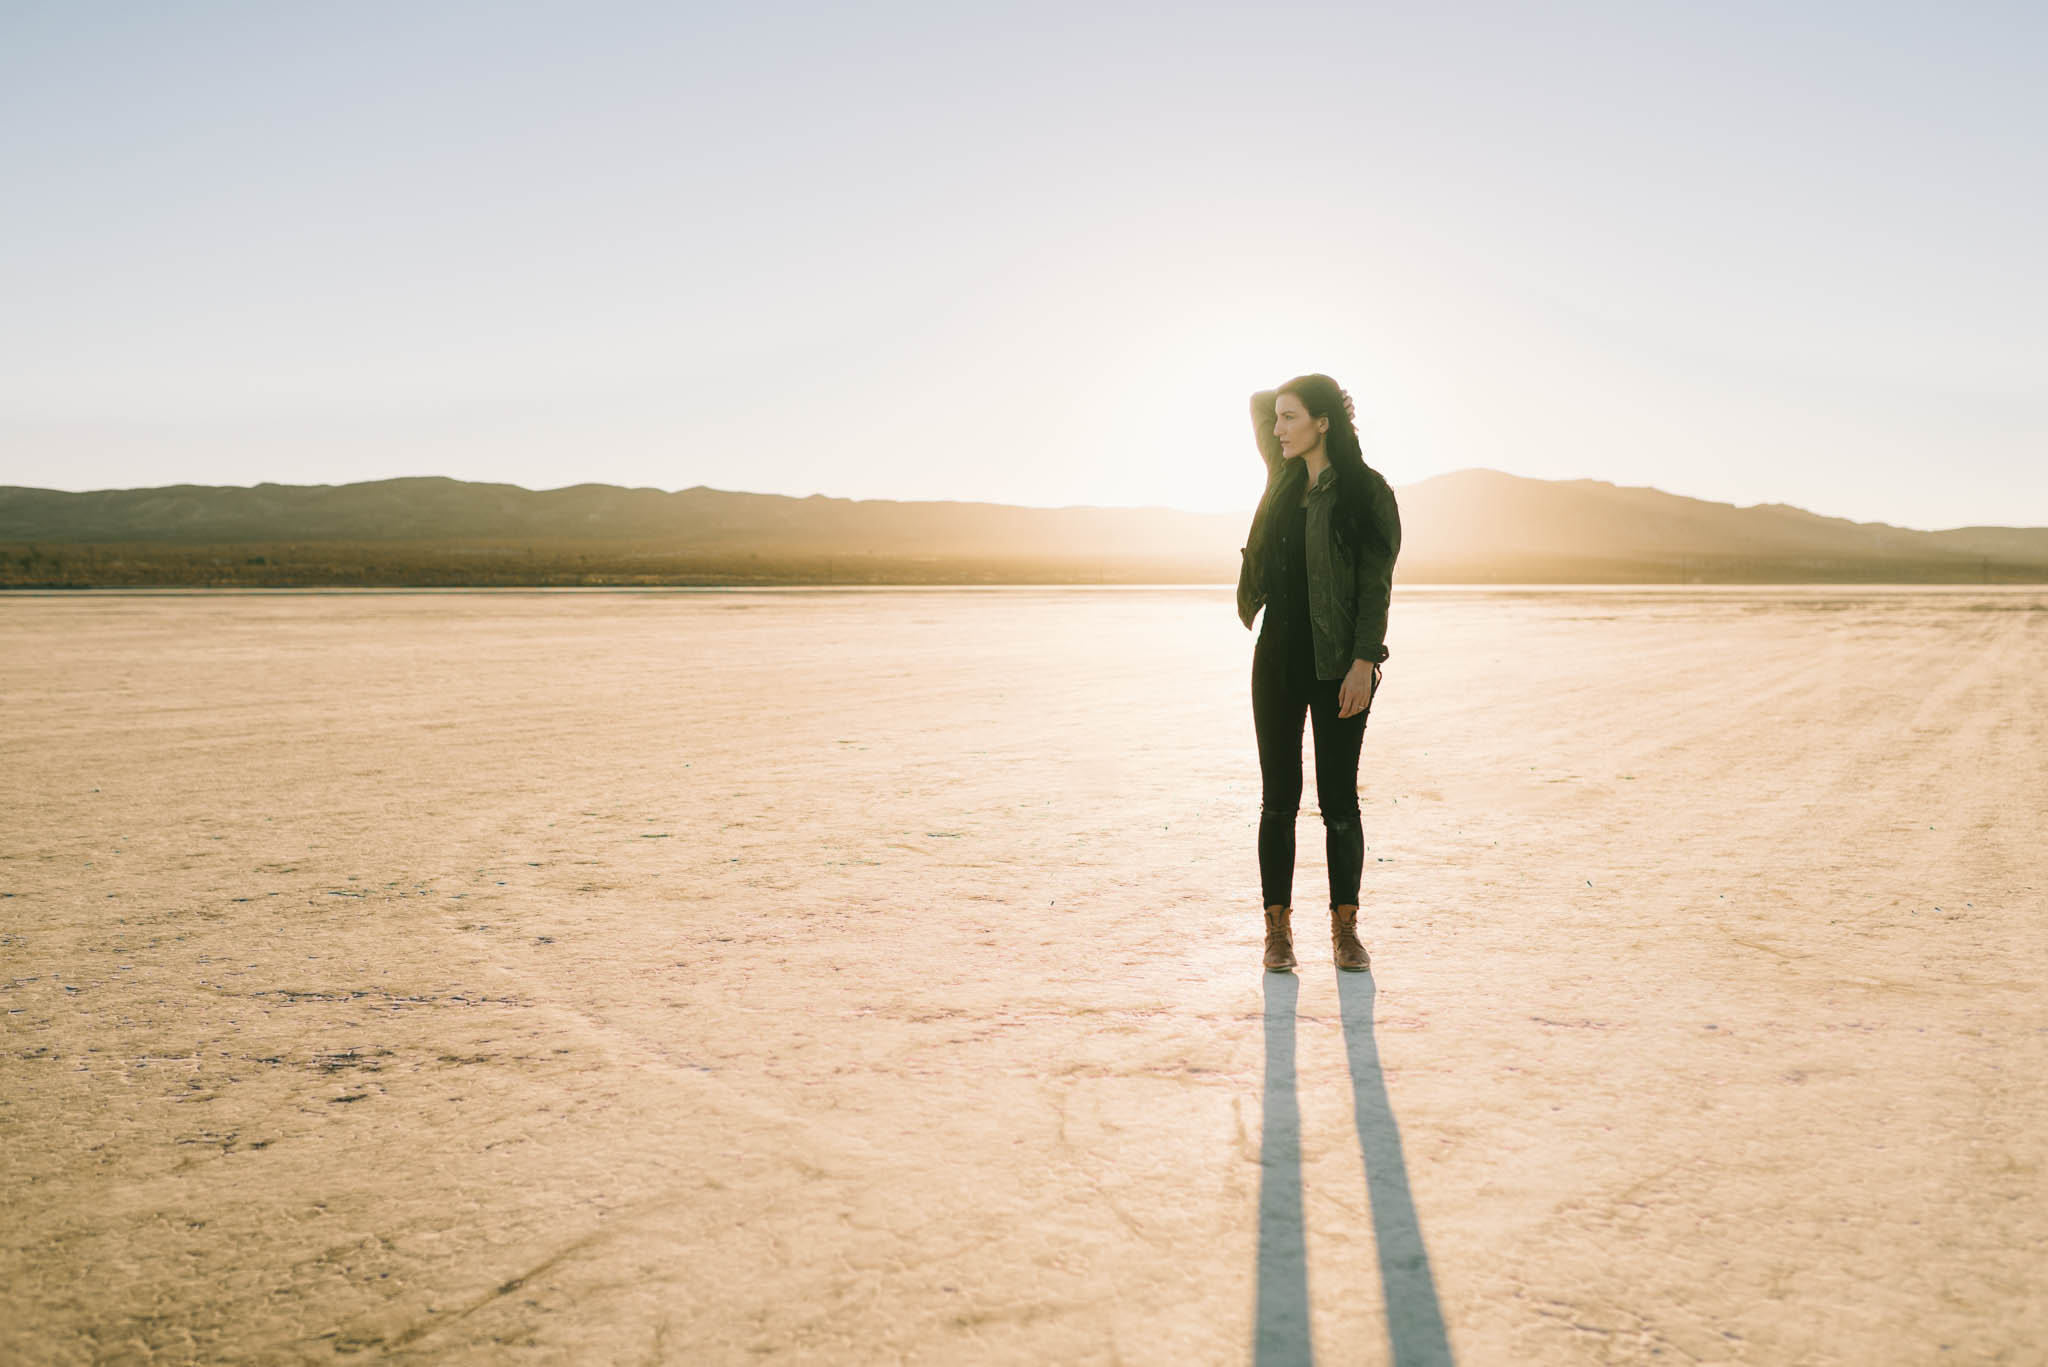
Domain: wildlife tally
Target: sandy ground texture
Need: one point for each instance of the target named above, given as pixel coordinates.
(872, 977)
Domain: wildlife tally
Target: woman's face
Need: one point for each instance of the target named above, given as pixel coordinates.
(1299, 433)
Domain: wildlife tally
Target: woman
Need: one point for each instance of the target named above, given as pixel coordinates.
(1320, 558)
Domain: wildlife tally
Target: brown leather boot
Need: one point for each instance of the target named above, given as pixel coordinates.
(1279, 940)
(1349, 953)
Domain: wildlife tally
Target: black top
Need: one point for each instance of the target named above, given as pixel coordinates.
(1287, 626)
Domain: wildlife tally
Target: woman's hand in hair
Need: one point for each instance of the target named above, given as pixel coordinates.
(1354, 695)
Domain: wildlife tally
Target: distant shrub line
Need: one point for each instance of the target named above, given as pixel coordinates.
(542, 564)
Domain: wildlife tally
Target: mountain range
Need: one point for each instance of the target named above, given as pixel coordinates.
(1477, 526)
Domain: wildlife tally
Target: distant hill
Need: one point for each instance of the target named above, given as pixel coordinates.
(439, 509)
(1471, 526)
(1481, 524)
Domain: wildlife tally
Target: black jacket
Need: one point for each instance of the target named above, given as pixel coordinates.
(1348, 587)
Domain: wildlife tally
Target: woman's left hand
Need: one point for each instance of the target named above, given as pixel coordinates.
(1354, 694)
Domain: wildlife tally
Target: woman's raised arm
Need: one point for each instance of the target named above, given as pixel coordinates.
(1262, 427)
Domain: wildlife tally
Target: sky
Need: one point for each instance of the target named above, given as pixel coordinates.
(1035, 253)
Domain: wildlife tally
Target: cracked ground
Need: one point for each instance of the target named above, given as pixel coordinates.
(872, 977)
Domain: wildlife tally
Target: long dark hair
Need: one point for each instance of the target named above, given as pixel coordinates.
(1323, 397)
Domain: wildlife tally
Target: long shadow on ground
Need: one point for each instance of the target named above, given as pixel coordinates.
(1280, 1333)
(1415, 1323)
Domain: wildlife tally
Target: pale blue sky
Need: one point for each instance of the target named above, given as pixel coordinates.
(1029, 253)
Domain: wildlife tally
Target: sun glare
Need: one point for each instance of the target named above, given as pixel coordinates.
(1197, 436)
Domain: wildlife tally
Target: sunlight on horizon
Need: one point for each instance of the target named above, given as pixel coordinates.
(1193, 414)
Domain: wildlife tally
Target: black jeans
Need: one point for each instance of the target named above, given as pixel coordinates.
(1276, 715)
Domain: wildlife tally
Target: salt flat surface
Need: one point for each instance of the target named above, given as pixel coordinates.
(872, 977)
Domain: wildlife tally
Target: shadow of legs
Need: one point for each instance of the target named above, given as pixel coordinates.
(1280, 1332)
(1415, 1324)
